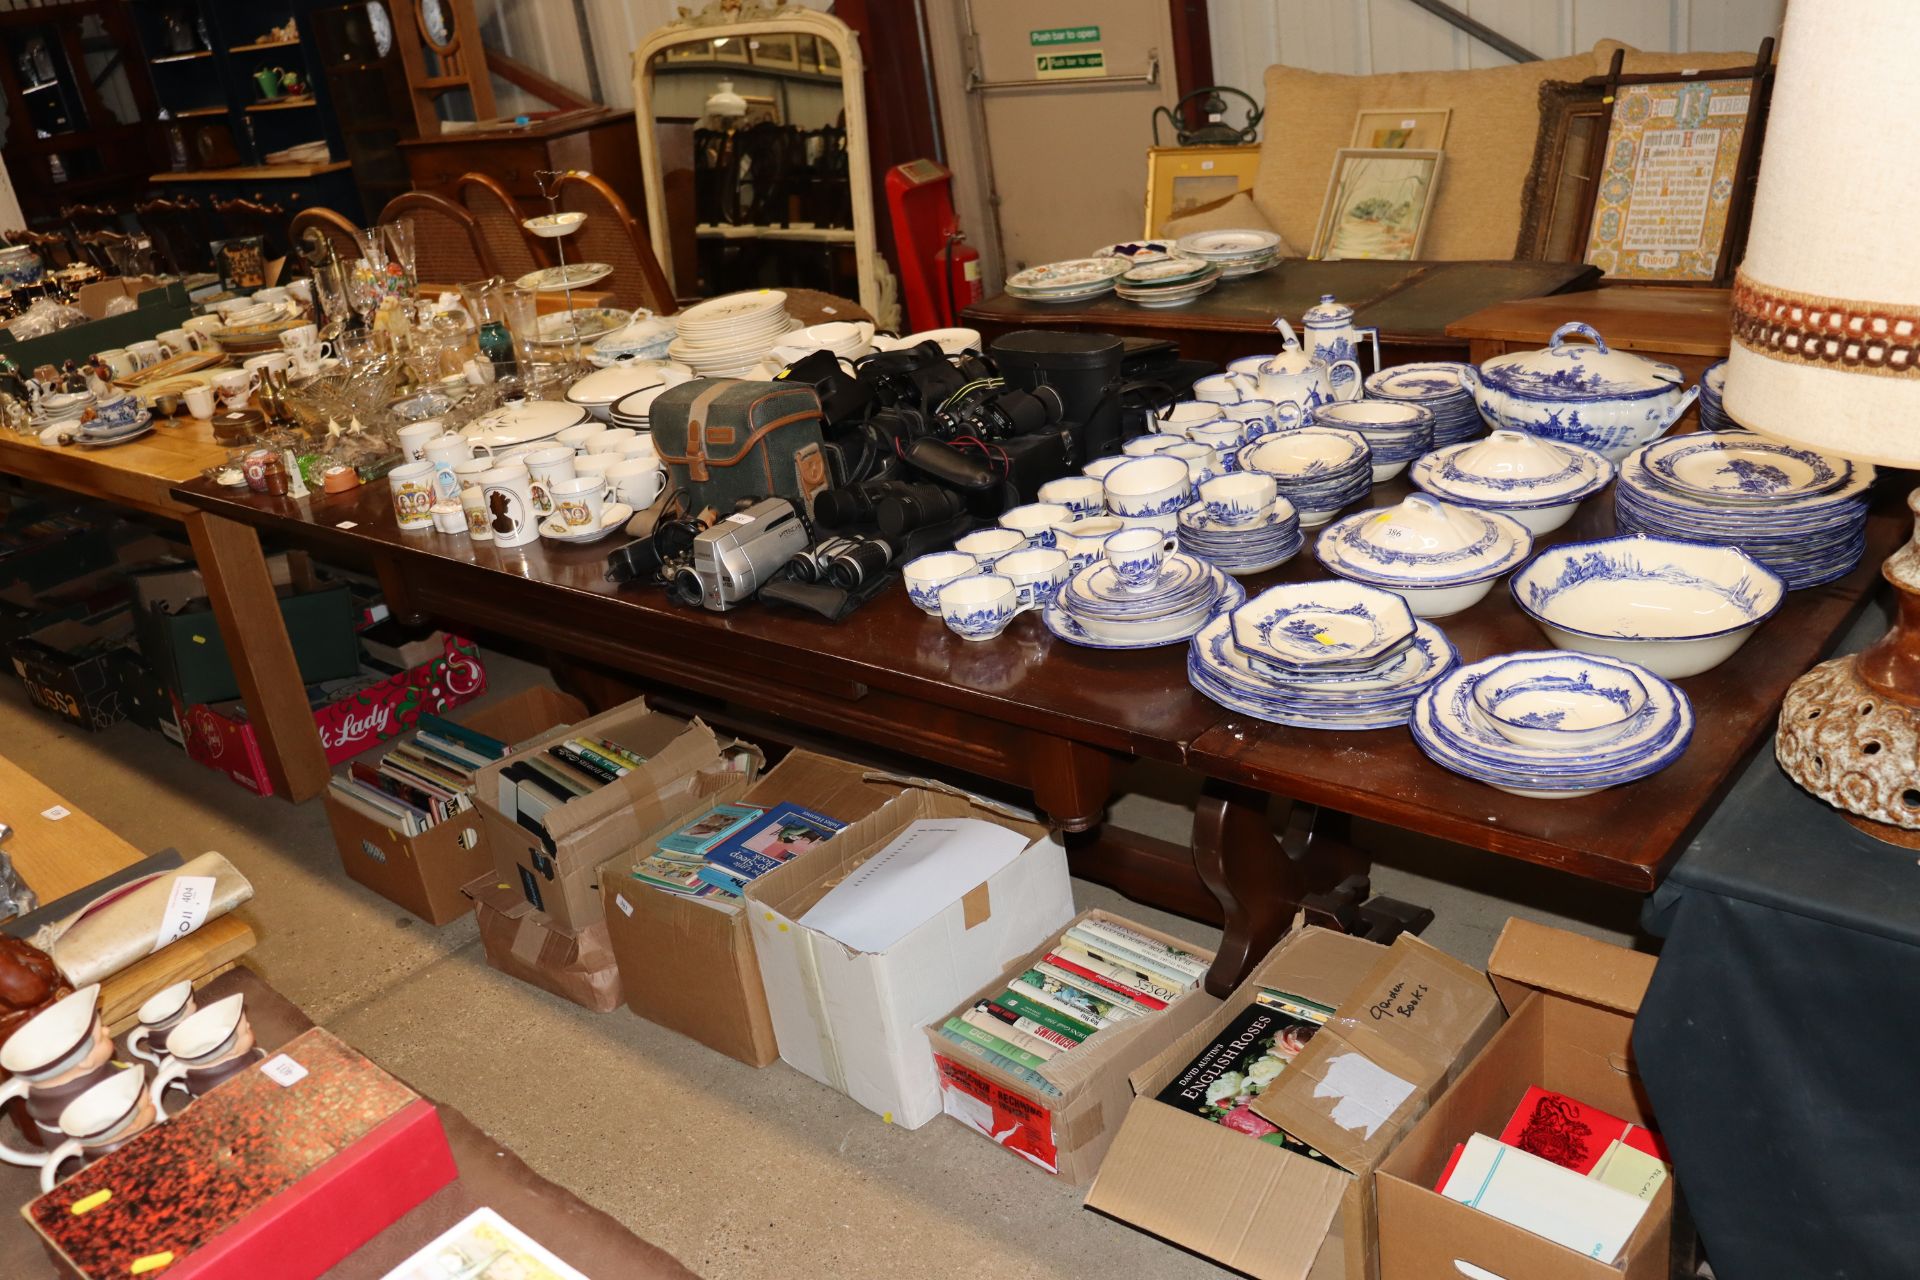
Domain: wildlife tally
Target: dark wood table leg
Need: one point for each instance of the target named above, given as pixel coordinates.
(244, 604)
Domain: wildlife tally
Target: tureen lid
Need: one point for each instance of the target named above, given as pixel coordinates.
(1423, 541)
(1512, 469)
(1327, 311)
(1580, 371)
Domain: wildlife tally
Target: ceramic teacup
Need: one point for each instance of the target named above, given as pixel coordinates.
(106, 1114)
(578, 503)
(1136, 556)
(1082, 495)
(162, 1011)
(1221, 388)
(1084, 541)
(146, 353)
(926, 574)
(611, 440)
(988, 545)
(120, 411)
(414, 436)
(1240, 498)
(119, 360)
(1035, 573)
(980, 607)
(1179, 416)
(1098, 468)
(1203, 463)
(578, 438)
(200, 400)
(200, 331)
(1035, 521)
(1148, 487)
(1155, 442)
(234, 386)
(1256, 416)
(277, 361)
(597, 464)
(175, 341)
(1223, 436)
(638, 482)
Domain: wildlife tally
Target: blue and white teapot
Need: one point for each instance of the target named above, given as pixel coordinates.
(1333, 338)
(1296, 381)
(1583, 393)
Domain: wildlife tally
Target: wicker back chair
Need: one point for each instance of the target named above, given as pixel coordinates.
(611, 235)
(337, 230)
(447, 245)
(516, 251)
(178, 229)
(243, 217)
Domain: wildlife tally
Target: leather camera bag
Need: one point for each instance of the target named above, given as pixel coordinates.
(723, 440)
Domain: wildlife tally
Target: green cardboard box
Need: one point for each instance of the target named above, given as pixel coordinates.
(180, 637)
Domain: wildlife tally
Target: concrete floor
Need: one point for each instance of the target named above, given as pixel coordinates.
(740, 1173)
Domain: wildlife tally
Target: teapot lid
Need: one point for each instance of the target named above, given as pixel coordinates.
(1580, 371)
(1327, 311)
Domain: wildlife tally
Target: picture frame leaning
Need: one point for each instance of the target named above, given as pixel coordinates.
(1377, 203)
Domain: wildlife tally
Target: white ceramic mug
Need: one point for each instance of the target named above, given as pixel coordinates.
(160, 1013)
(472, 502)
(641, 446)
(146, 353)
(445, 452)
(1036, 574)
(638, 482)
(234, 386)
(200, 331)
(414, 436)
(980, 607)
(412, 484)
(1136, 556)
(301, 337)
(508, 495)
(199, 401)
(119, 360)
(549, 466)
(278, 361)
(579, 503)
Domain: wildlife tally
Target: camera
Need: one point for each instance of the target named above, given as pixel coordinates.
(740, 554)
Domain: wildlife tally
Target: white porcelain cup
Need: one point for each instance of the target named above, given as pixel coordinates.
(1084, 541)
(1222, 436)
(199, 401)
(1222, 388)
(274, 295)
(1082, 495)
(412, 485)
(638, 482)
(925, 575)
(472, 503)
(611, 440)
(507, 492)
(641, 446)
(579, 503)
(1098, 468)
(302, 337)
(445, 452)
(1154, 442)
(1149, 487)
(119, 360)
(176, 341)
(414, 436)
(306, 364)
(549, 465)
(109, 1112)
(146, 353)
(577, 438)
(1136, 556)
(278, 361)
(988, 545)
(1203, 464)
(1036, 574)
(980, 607)
(234, 386)
(1035, 521)
(200, 331)
(597, 464)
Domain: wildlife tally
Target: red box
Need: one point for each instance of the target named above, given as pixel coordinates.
(219, 736)
(267, 1177)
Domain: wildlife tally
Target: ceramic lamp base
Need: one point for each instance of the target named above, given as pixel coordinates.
(1856, 748)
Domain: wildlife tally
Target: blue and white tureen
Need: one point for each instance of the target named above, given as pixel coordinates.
(1583, 393)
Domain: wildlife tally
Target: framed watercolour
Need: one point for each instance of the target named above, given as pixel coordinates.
(779, 50)
(1377, 203)
(1558, 194)
(730, 49)
(1183, 178)
(1416, 128)
(692, 51)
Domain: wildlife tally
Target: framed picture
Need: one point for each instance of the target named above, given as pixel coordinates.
(1183, 178)
(808, 50)
(691, 51)
(829, 58)
(1376, 203)
(1557, 197)
(1415, 128)
(730, 49)
(780, 50)
(241, 263)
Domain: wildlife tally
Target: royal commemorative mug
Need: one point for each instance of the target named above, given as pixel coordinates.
(508, 494)
(413, 494)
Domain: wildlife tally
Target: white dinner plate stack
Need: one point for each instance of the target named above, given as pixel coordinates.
(1236, 253)
(1254, 547)
(1167, 282)
(1074, 280)
(726, 337)
(1442, 387)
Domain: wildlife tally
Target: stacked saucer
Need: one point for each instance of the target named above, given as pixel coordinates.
(1800, 513)
(726, 337)
(1167, 282)
(61, 409)
(1713, 410)
(1320, 655)
(1094, 609)
(1553, 725)
(1318, 469)
(1265, 542)
(1444, 387)
(1538, 482)
(1236, 253)
(1136, 250)
(1439, 558)
(1395, 433)
(1075, 280)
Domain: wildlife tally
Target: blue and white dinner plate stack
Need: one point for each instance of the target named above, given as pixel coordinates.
(1443, 387)
(1318, 469)
(1452, 725)
(1265, 543)
(1094, 610)
(1320, 655)
(1801, 513)
(1713, 410)
(1395, 433)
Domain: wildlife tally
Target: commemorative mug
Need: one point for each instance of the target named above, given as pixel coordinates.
(579, 503)
(980, 607)
(146, 354)
(108, 1113)
(1136, 556)
(1036, 574)
(163, 1011)
(472, 504)
(413, 494)
(549, 466)
(507, 491)
(925, 575)
(414, 436)
(54, 1057)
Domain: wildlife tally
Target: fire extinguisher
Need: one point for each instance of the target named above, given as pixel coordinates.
(962, 273)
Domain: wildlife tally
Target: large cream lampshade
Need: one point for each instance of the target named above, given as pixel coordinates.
(1826, 353)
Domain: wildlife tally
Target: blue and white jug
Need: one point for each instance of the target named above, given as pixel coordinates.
(1334, 338)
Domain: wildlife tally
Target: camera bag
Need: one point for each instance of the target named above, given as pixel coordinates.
(723, 440)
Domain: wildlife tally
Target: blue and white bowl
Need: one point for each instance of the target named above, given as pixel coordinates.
(1559, 701)
(1438, 557)
(1538, 482)
(979, 607)
(1149, 487)
(1302, 627)
(1395, 433)
(1586, 394)
(1318, 469)
(1675, 608)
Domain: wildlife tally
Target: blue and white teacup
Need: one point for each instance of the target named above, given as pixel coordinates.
(980, 607)
(1036, 574)
(1222, 388)
(1098, 468)
(1203, 461)
(987, 545)
(1255, 415)
(1085, 541)
(120, 411)
(925, 576)
(1036, 521)
(1136, 556)
(1240, 498)
(1222, 436)
(1082, 495)
(1146, 487)
(1155, 442)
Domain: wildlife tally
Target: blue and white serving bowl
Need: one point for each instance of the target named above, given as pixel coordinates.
(1538, 482)
(1304, 627)
(1438, 557)
(1560, 701)
(1318, 469)
(1395, 433)
(1586, 394)
(1676, 608)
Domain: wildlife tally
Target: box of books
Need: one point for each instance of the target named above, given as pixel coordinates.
(1037, 1060)
(887, 926)
(1542, 1160)
(405, 823)
(1252, 1138)
(566, 801)
(674, 902)
(576, 965)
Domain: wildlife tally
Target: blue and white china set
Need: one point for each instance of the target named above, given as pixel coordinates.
(1143, 550)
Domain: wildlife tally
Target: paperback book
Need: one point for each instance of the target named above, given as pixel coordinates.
(422, 780)
(1248, 1055)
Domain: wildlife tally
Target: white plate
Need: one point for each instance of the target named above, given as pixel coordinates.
(524, 422)
(1228, 244)
(1073, 273)
(575, 275)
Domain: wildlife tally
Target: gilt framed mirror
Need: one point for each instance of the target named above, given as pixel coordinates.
(753, 149)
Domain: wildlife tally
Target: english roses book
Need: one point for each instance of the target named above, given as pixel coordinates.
(1224, 1078)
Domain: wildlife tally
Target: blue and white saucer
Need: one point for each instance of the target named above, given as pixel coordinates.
(1148, 633)
(1742, 468)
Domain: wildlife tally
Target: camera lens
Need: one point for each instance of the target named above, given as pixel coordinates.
(915, 506)
(859, 563)
(686, 586)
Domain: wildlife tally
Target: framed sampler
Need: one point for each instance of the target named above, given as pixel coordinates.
(1183, 178)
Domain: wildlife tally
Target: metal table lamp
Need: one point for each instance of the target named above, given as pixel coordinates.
(1826, 354)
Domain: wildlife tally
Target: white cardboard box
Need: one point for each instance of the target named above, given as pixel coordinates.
(851, 1019)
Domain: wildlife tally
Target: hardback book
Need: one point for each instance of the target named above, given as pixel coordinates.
(593, 767)
(1570, 1133)
(1043, 1014)
(1019, 1022)
(483, 745)
(957, 1046)
(1148, 989)
(1157, 956)
(572, 783)
(1224, 1078)
(613, 751)
(1298, 1006)
(1095, 987)
(710, 828)
(984, 1021)
(1545, 1198)
(1075, 1002)
(770, 839)
(986, 1040)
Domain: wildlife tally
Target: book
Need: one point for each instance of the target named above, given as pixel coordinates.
(1570, 1133)
(667, 874)
(592, 766)
(1545, 1198)
(1627, 1169)
(986, 1040)
(483, 1243)
(1038, 1030)
(1136, 986)
(567, 782)
(984, 1021)
(960, 1046)
(1070, 1000)
(1044, 1014)
(613, 751)
(1298, 1006)
(710, 828)
(621, 766)
(1146, 953)
(483, 745)
(1237, 1066)
(770, 839)
(1093, 987)
(721, 880)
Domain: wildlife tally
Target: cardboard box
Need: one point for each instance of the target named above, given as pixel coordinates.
(1069, 1132)
(144, 696)
(852, 1019)
(181, 638)
(557, 869)
(350, 715)
(68, 667)
(1407, 1019)
(691, 966)
(574, 966)
(1572, 1002)
(428, 873)
(53, 550)
(158, 309)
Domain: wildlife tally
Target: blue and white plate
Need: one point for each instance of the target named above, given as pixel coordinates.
(1742, 468)
(1308, 626)
(1150, 634)
(1366, 700)
(1095, 591)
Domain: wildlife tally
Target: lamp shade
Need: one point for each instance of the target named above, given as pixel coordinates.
(725, 103)
(1826, 303)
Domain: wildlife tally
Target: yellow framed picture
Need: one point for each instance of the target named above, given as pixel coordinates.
(1401, 129)
(1184, 178)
